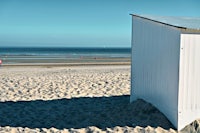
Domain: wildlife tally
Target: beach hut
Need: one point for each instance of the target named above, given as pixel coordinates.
(165, 67)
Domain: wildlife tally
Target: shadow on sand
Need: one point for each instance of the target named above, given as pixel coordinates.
(101, 112)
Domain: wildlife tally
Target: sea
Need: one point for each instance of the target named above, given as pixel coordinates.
(12, 55)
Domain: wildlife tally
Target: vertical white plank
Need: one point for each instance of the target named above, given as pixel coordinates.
(189, 84)
(155, 65)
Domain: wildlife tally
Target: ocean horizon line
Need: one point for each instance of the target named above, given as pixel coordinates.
(64, 47)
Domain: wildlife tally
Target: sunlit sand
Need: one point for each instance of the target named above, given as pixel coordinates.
(73, 99)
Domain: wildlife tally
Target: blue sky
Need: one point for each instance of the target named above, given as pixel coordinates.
(80, 23)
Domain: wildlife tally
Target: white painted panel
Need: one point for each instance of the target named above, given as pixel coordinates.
(189, 84)
(155, 65)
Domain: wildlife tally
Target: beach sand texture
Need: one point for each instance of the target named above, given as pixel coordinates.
(75, 99)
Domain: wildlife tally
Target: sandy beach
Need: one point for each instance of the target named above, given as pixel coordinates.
(75, 99)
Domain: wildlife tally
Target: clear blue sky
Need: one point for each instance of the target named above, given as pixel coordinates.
(80, 23)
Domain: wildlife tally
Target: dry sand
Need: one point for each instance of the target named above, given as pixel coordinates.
(75, 99)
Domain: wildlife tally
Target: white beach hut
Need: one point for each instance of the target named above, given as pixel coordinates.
(166, 66)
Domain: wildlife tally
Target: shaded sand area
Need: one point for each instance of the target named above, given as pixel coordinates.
(75, 99)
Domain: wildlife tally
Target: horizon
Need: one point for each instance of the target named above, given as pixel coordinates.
(84, 47)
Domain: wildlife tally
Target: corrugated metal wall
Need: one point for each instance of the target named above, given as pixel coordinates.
(189, 84)
(155, 65)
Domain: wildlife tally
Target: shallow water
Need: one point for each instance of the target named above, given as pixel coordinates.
(11, 55)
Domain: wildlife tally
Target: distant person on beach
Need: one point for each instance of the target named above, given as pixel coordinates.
(0, 62)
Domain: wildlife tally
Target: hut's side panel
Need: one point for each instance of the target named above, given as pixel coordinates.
(189, 84)
(155, 65)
